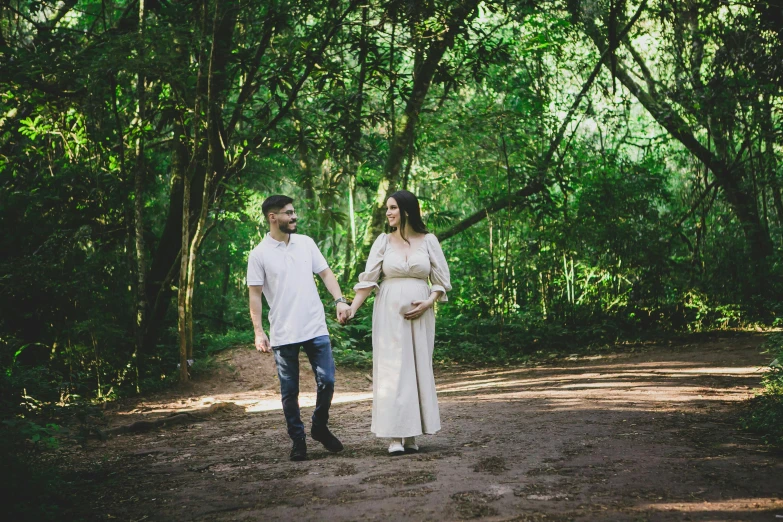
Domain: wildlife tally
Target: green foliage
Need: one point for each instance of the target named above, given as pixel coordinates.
(631, 235)
(203, 366)
(33, 432)
(347, 357)
(773, 377)
(210, 343)
(352, 343)
(34, 491)
(646, 222)
(765, 411)
(32, 487)
(521, 339)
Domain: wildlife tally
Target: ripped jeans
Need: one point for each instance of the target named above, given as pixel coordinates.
(319, 352)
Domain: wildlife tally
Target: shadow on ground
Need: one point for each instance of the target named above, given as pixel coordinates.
(642, 436)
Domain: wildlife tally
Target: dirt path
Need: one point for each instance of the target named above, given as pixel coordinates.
(650, 435)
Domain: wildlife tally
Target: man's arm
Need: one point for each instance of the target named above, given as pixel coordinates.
(327, 276)
(256, 306)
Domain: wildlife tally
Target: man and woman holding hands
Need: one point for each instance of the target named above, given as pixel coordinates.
(398, 268)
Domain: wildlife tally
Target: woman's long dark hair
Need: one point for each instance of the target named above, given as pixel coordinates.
(408, 204)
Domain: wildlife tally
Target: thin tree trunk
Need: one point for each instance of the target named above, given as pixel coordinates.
(99, 390)
(392, 79)
(350, 245)
(418, 56)
(491, 268)
(307, 173)
(183, 283)
(408, 164)
(222, 36)
(354, 136)
(195, 247)
(138, 202)
(770, 162)
(505, 285)
(226, 250)
(129, 219)
(193, 168)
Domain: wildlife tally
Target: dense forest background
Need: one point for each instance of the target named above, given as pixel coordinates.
(595, 170)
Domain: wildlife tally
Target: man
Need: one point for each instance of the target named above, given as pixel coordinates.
(281, 267)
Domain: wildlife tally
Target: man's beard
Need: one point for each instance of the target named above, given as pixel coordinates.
(290, 228)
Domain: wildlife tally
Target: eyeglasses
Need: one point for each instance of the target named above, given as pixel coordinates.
(288, 213)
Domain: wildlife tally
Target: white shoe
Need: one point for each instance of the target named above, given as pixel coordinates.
(409, 443)
(396, 447)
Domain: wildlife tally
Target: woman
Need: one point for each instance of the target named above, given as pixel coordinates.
(403, 324)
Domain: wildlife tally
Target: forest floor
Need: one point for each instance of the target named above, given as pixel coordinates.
(646, 433)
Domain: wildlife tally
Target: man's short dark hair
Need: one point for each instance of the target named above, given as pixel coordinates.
(274, 203)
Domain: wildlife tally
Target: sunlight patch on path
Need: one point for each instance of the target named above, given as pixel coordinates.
(251, 402)
(661, 382)
(608, 380)
(733, 505)
(610, 386)
(656, 367)
(305, 401)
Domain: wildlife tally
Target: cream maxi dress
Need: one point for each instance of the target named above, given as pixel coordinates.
(404, 400)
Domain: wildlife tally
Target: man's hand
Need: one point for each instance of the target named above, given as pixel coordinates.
(349, 314)
(419, 307)
(262, 343)
(343, 313)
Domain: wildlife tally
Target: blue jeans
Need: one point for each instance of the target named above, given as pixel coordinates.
(319, 352)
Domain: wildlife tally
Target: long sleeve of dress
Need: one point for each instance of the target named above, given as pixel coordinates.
(439, 274)
(372, 271)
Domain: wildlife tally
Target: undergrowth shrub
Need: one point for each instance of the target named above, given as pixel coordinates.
(765, 411)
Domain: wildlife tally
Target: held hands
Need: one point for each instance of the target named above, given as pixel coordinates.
(350, 313)
(344, 313)
(262, 343)
(419, 307)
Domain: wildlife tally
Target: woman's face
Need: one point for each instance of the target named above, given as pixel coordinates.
(392, 212)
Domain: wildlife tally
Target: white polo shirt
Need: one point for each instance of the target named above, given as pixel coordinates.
(296, 313)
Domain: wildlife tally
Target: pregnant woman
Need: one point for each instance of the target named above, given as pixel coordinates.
(403, 323)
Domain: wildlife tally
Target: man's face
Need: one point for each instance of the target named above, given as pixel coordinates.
(285, 219)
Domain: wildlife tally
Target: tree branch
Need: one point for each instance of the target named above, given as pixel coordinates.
(314, 57)
(512, 200)
(538, 185)
(250, 87)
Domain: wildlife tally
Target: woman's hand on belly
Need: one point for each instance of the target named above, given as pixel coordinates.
(419, 307)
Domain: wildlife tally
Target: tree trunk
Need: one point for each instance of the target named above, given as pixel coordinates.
(138, 202)
(183, 283)
(350, 244)
(770, 160)
(195, 168)
(353, 151)
(226, 250)
(186, 169)
(222, 36)
(406, 126)
(307, 173)
(731, 175)
(164, 266)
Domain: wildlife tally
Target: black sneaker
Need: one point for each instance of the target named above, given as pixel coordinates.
(299, 450)
(325, 437)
